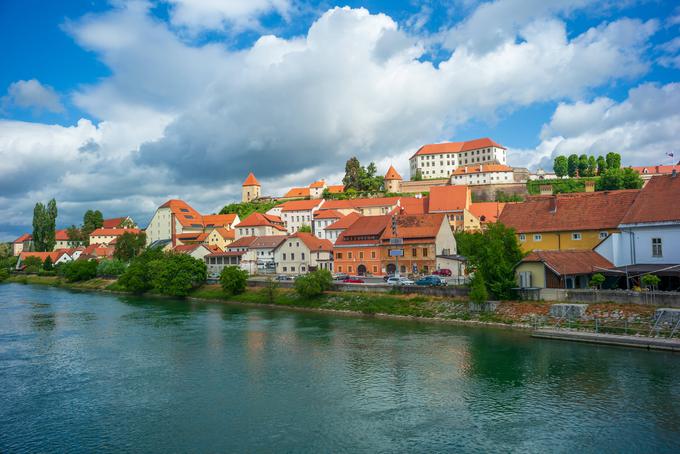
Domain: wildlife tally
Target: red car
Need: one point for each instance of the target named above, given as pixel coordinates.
(353, 280)
(443, 272)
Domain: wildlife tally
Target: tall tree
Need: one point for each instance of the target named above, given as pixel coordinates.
(92, 220)
(613, 161)
(561, 166)
(592, 166)
(601, 165)
(74, 234)
(353, 174)
(44, 225)
(583, 166)
(572, 165)
(129, 246)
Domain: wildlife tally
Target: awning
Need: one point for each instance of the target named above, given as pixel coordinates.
(638, 269)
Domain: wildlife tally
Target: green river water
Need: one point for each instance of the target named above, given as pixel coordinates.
(88, 372)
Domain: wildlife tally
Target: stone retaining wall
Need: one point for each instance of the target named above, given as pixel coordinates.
(665, 299)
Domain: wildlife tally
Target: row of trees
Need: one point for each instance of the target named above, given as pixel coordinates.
(584, 165)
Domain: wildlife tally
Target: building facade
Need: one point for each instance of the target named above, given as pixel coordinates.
(440, 160)
(301, 253)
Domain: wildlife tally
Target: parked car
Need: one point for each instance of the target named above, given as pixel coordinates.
(387, 277)
(399, 281)
(284, 277)
(443, 272)
(340, 277)
(353, 280)
(214, 276)
(430, 281)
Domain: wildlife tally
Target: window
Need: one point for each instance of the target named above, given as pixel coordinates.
(340, 269)
(292, 268)
(349, 255)
(538, 237)
(338, 255)
(302, 268)
(349, 269)
(522, 237)
(375, 269)
(576, 236)
(303, 256)
(284, 256)
(292, 256)
(656, 247)
(424, 252)
(361, 255)
(414, 252)
(603, 235)
(285, 268)
(372, 254)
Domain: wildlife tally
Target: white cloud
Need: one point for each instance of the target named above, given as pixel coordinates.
(31, 94)
(643, 128)
(198, 15)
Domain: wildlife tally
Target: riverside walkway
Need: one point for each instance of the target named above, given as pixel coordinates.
(649, 343)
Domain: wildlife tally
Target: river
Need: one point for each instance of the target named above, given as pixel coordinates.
(89, 372)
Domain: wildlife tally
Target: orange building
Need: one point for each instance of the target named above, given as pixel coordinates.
(357, 249)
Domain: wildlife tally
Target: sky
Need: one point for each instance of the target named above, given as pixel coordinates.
(120, 105)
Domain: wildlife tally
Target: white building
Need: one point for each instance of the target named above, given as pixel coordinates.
(258, 224)
(441, 159)
(482, 174)
(259, 258)
(298, 213)
(106, 236)
(323, 219)
(301, 253)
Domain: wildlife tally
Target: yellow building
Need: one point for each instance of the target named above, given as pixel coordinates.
(575, 221)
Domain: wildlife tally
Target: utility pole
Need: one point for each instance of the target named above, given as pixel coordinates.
(396, 241)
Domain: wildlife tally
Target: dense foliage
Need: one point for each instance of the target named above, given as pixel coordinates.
(4, 273)
(114, 267)
(650, 280)
(584, 165)
(561, 186)
(362, 178)
(314, 283)
(47, 264)
(44, 225)
(493, 253)
(129, 245)
(245, 209)
(478, 292)
(137, 278)
(233, 280)
(305, 228)
(92, 220)
(597, 280)
(32, 264)
(79, 270)
(619, 179)
(176, 274)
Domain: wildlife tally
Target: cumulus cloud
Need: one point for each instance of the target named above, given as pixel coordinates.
(199, 15)
(31, 94)
(643, 127)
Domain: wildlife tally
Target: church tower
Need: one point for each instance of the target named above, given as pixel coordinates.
(393, 180)
(251, 189)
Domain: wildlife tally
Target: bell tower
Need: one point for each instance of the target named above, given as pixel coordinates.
(251, 189)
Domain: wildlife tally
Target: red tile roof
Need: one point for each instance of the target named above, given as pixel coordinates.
(251, 180)
(658, 201)
(24, 237)
(97, 250)
(344, 222)
(61, 235)
(260, 220)
(184, 213)
(457, 147)
(569, 212)
(415, 227)
(392, 174)
(54, 255)
(413, 205)
(487, 211)
(317, 184)
(113, 232)
(219, 220)
(481, 168)
(189, 248)
(226, 234)
(657, 170)
(564, 263)
(112, 223)
(297, 192)
(299, 205)
(328, 214)
(449, 198)
(312, 242)
(244, 241)
(267, 241)
(336, 189)
(364, 229)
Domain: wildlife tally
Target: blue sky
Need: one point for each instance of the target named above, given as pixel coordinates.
(119, 105)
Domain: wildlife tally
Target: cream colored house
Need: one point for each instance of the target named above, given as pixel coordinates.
(197, 251)
(258, 224)
(106, 236)
(301, 253)
(298, 213)
(221, 238)
(62, 241)
(172, 218)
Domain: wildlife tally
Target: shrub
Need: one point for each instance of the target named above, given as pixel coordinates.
(233, 280)
(47, 264)
(597, 280)
(4, 274)
(478, 293)
(176, 274)
(34, 263)
(650, 280)
(80, 270)
(136, 278)
(113, 267)
(314, 284)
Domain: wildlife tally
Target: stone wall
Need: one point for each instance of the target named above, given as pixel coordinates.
(663, 299)
(487, 192)
(379, 288)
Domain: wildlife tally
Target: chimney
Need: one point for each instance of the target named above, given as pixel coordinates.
(546, 189)
(590, 186)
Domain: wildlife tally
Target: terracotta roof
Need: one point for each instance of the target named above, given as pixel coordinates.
(267, 241)
(97, 250)
(54, 255)
(61, 235)
(190, 236)
(259, 220)
(312, 242)
(226, 254)
(392, 174)
(188, 248)
(300, 205)
(657, 170)
(365, 228)
(219, 220)
(481, 168)
(658, 201)
(569, 212)
(413, 205)
(24, 237)
(318, 184)
(570, 262)
(449, 198)
(244, 241)
(226, 234)
(112, 223)
(344, 222)
(328, 214)
(251, 180)
(297, 192)
(487, 211)
(457, 147)
(419, 226)
(336, 189)
(113, 232)
(184, 213)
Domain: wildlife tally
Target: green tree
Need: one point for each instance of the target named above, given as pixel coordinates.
(4, 274)
(613, 179)
(271, 290)
(631, 179)
(92, 220)
(245, 209)
(561, 166)
(47, 264)
(494, 253)
(233, 280)
(418, 176)
(353, 174)
(176, 274)
(113, 267)
(5, 250)
(31, 264)
(137, 278)
(313, 284)
(478, 292)
(596, 280)
(44, 225)
(305, 228)
(572, 165)
(80, 270)
(601, 165)
(583, 166)
(74, 234)
(650, 281)
(592, 166)
(129, 245)
(613, 161)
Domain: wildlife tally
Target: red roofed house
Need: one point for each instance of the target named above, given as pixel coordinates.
(482, 174)
(298, 213)
(221, 238)
(454, 202)
(197, 251)
(259, 224)
(559, 269)
(441, 159)
(125, 222)
(97, 252)
(323, 219)
(23, 243)
(62, 241)
(106, 236)
(301, 253)
(486, 212)
(259, 253)
(313, 191)
(332, 232)
(567, 221)
(358, 248)
(57, 257)
(651, 171)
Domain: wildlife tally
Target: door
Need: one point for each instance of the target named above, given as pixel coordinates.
(391, 268)
(361, 270)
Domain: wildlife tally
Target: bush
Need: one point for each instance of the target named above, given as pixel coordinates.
(80, 270)
(33, 263)
(314, 284)
(233, 280)
(113, 267)
(176, 274)
(47, 264)
(650, 280)
(4, 274)
(136, 278)
(597, 280)
(478, 293)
